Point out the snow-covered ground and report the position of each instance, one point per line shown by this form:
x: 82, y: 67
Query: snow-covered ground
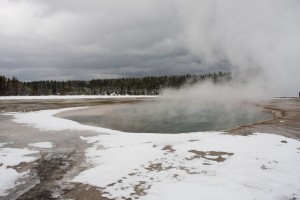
x: 202, y: 165
x: 191, y: 166
x: 43, y: 145
x: 11, y: 157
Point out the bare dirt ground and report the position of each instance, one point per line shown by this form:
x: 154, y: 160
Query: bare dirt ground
x: 49, y: 174
x: 286, y: 119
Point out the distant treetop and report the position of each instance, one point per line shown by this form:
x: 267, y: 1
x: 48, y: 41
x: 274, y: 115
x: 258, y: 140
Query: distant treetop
x: 150, y: 85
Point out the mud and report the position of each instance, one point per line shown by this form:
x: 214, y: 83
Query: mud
x: 217, y: 156
x: 84, y: 192
x: 168, y: 148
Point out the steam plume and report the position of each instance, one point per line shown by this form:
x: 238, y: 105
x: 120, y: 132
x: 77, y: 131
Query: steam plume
x: 260, y: 39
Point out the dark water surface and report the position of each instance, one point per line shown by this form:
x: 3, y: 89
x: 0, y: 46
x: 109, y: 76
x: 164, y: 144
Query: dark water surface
x: 139, y: 119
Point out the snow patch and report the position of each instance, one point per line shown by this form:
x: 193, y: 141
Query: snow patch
x: 44, y: 145
x: 46, y: 121
x: 11, y: 157
x: 2, y: 144
x: 139, y: 166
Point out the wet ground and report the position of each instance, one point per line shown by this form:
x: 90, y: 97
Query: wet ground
x: 49, y: 174
x: 286, y: 119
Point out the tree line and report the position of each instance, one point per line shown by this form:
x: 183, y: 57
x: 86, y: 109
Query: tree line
x: 150, y: 85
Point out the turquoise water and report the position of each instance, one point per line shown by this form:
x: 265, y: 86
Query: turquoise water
x: 139, y: 119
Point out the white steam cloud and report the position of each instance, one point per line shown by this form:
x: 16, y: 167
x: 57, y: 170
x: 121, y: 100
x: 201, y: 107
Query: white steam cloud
x: 260, y: 39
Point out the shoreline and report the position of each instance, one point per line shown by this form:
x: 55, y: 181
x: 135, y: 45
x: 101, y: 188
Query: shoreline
x: 285, y: 121
x: 276, y: 114
x: 285, y: 111
x: 277, y: 107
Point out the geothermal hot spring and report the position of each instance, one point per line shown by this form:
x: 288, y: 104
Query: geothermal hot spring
x: 167, y: 117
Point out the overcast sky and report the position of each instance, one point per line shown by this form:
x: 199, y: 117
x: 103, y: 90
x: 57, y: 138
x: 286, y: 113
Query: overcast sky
x: 72, y: 39
x: 67, y: 39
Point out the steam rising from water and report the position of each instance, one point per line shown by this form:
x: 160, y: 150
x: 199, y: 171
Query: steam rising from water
x: 203, y: 107
x: 163, y: 118
x: 259, y: 39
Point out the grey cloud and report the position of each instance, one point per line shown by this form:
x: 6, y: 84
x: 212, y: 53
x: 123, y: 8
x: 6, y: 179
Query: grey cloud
x: 106, y: 35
